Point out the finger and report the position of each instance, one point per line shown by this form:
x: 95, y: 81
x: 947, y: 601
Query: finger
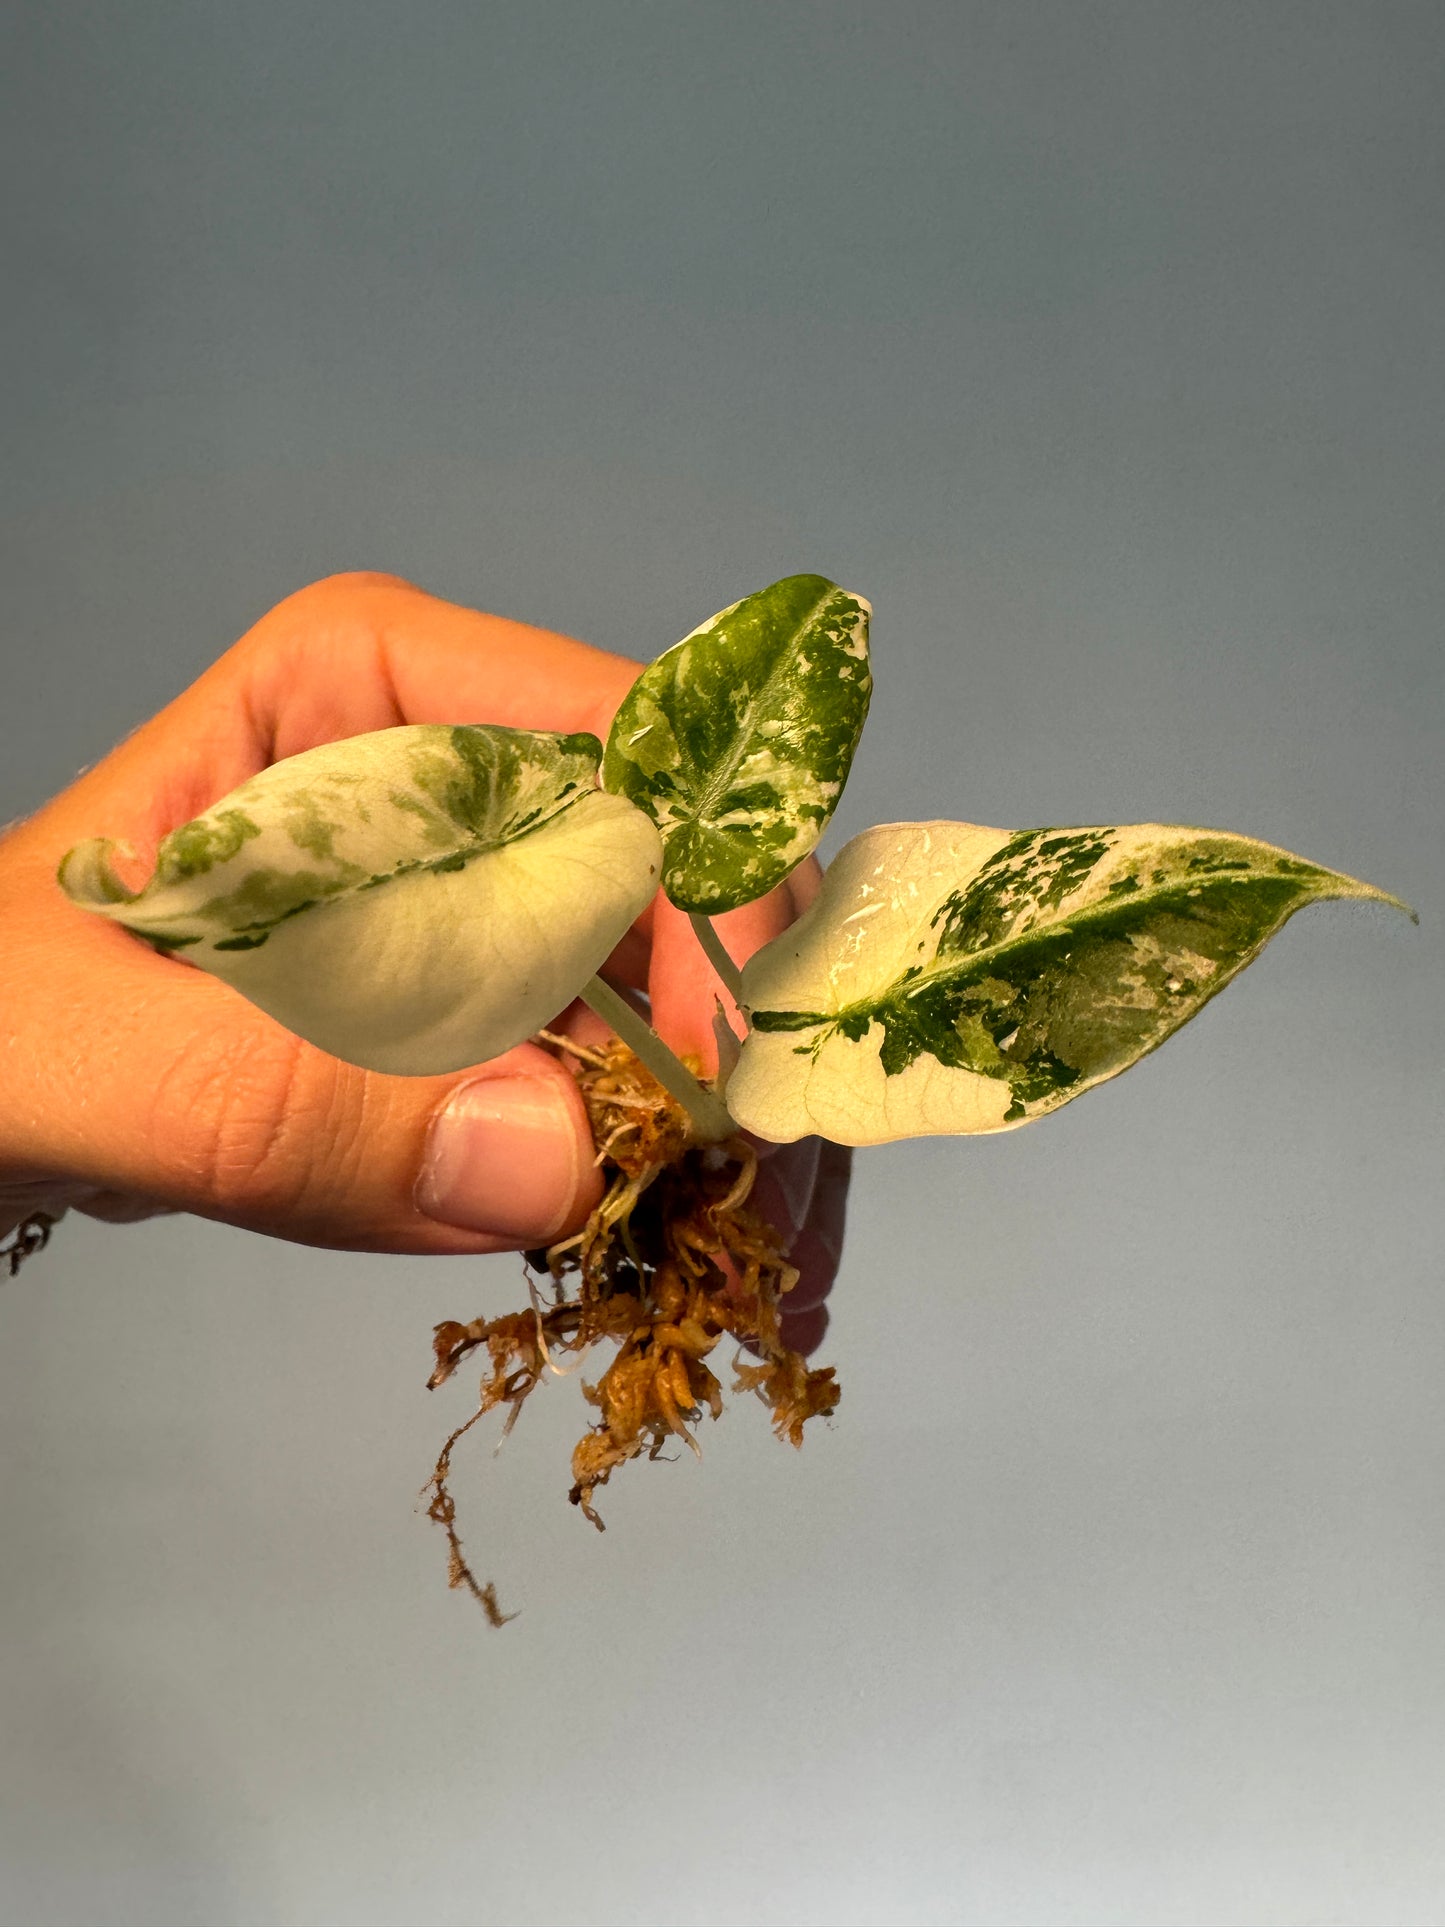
x: 351, y: 654
x: 817, y: 1251
x: 803, y: 1331
x: 804, y: 884
x: 685, y: 988
x: 628, y: 965
x: 359, y: 653
x: 783, y: 1189
x: 118, y: 1207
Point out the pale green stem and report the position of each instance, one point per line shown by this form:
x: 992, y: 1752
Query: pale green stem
x: 722, y: 963
x: 704, y: 1107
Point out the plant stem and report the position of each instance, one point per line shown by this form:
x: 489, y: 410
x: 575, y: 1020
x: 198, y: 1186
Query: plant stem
x: 706, y: 934
x: 705, y: 1108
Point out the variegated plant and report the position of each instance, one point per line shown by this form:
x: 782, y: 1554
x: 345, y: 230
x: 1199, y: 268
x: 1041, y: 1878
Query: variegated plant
x: 423, y: 898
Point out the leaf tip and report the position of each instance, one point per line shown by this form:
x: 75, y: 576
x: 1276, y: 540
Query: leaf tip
x: 1399, y: 903
x: 87, y: 878
x: 1373, y: 894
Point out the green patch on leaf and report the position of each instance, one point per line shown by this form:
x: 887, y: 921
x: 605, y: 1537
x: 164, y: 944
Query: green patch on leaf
x: 197, y: 847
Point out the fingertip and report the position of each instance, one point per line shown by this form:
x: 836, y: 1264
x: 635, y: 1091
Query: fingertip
x: 816, y: 1264
x: 344, y: 583
x: 804, y: 1331
x: 829, y: 1210
x: 684, y: 986
x: 783, y: 1190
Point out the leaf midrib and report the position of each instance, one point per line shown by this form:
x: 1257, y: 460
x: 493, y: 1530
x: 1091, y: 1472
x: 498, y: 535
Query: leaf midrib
x: 713, y: 791
x: 1093, y: 913
x: 469, y: 852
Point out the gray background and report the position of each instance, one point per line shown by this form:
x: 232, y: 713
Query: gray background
x: 1101, y: 346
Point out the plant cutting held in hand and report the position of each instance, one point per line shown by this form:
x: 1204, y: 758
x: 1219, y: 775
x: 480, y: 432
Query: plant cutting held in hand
x: 423, y: 898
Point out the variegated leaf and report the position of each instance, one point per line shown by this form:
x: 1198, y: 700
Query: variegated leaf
x: 412, y: 901
x: 956, y: 979
x: 738, y: 740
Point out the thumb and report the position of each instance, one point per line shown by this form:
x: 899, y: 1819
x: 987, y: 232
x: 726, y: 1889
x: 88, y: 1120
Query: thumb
x: 140, y: 1075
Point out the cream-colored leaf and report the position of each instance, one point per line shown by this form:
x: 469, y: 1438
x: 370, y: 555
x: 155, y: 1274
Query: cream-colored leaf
x: 412, y: 901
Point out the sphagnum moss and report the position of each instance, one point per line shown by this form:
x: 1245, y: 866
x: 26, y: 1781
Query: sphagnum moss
x: 673, y: 1261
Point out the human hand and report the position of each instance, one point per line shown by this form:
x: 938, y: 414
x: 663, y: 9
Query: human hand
x: 132, y: 1083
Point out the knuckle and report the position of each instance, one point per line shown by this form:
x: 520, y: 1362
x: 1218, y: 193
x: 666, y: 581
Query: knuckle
x: 346, y: 589
x: 339, y: 614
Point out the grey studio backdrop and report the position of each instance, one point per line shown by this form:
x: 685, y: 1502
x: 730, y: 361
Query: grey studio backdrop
x: 1101, y: 347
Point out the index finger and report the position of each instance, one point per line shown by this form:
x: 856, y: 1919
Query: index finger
x: 347, y: 655
x: 358, y: 653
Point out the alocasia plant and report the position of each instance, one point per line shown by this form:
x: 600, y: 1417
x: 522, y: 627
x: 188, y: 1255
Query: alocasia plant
x: 421, y: 899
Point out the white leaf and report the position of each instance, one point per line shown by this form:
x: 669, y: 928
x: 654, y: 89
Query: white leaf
x: 413, y: 901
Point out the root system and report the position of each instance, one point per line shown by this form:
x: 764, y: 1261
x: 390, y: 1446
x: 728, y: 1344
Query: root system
x: 673, y: 1260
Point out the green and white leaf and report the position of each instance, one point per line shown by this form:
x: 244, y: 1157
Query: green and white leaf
x: 738, y: 740
x: 413, y: 901
x: 950, y: 978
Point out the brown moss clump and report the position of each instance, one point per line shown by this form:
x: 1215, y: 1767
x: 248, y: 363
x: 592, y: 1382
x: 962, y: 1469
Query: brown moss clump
x: 673, y: 1260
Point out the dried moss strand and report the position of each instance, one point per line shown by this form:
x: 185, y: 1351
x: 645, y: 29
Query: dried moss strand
x: 443, y: 1509
x: 573, y: 1048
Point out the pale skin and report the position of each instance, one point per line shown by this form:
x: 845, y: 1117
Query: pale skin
x: 132, y: 1084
